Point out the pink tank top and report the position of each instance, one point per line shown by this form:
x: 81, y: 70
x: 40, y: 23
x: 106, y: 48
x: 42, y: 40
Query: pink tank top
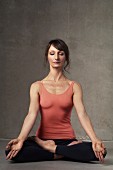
x: 55, y: 110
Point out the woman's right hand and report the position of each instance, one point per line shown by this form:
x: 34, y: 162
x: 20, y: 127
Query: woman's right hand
x: 15, y: 146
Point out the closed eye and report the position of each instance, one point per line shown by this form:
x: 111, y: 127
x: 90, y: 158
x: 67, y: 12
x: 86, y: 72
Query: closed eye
x: 51, y: 53
x: 61, y: 54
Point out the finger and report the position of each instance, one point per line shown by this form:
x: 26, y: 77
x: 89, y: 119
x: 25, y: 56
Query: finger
x: 8, y: 156
x: 96, y: 153
x: 11, y: 155
x: 15, y: 153
x: 101, y: 157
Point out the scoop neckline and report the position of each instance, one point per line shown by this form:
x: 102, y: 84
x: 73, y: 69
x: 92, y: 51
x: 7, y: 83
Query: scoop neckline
x: 54, y: 93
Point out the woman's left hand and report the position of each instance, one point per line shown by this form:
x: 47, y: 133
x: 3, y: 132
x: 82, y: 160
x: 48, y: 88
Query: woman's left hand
x: 99, y: 149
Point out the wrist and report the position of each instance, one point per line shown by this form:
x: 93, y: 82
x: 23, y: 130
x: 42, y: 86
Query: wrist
x: 94, y: 139
x: 97, y: 140
x: 21, y: 138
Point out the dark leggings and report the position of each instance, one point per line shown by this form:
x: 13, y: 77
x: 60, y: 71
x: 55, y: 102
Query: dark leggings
x: 32, y: 152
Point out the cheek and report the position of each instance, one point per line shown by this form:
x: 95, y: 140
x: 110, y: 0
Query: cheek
x: 50, y: 58
x: 63, y: 59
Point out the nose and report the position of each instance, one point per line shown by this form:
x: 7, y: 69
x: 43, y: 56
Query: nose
x: 56, y: 56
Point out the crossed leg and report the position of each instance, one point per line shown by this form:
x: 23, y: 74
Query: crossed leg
x: 41, y: 150
x: 31, y: 152
x: 76, y: 150
x: 51, y: 146
x: 36, y: 150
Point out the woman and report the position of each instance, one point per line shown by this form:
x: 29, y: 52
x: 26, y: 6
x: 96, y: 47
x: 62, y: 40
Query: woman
x: 54, y: 97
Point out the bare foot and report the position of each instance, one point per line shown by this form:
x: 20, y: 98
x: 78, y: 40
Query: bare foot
x: 51, y: 146
x: 74, y: 143
x: 46, y: 144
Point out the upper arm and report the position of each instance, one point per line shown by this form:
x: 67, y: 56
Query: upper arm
x: 78, y: 99
x: 34, y: 98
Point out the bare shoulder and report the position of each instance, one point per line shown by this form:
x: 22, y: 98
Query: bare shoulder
x: 34, y: 88
x: 77, y: 87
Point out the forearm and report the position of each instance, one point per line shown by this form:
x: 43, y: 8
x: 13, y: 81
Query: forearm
x: 27, y: 126
x: 87, y: 125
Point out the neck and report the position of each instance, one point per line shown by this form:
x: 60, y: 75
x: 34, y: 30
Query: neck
x: 56, y: 75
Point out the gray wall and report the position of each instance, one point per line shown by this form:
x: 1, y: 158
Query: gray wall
x: 26, y: 27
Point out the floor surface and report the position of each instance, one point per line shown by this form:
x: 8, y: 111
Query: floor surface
x: 57, y: 164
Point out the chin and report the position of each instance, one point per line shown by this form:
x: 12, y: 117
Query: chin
x: 56, y: 66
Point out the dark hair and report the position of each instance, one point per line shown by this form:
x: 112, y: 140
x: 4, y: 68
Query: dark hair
x: 62, y: 46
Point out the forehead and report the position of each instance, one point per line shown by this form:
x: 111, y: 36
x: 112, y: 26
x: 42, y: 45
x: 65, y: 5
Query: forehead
x: 52, y: 48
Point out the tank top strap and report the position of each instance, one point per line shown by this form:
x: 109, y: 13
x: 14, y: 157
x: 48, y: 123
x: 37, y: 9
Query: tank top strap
x: 41, y: 86
x: 72, y: 83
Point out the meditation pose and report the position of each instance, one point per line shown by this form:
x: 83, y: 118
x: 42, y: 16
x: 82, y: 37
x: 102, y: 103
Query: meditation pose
x: 54, y: 97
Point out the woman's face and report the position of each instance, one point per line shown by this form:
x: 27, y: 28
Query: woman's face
x: 56, y: 58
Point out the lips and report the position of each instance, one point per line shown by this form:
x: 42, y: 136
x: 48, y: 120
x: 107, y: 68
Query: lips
x: 56, y: 62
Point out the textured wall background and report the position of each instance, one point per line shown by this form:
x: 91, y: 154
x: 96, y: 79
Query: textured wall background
x: 26, y: 27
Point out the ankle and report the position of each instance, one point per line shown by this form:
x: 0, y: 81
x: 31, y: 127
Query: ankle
x: 58, y: 156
